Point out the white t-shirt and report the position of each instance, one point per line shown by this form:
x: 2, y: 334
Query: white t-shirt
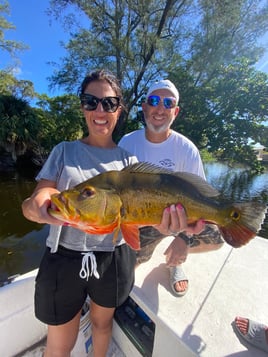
x: 176, y: 153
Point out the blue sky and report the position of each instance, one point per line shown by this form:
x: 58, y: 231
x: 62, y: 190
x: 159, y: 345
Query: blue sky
x: 33, y: 28
x: 43, y: 35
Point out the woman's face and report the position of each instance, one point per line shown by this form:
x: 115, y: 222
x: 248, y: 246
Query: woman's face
x: 100, y: 122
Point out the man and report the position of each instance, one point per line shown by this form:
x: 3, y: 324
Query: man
x: 158, y: 144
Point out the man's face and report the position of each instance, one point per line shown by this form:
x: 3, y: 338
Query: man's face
x: 159, y: 118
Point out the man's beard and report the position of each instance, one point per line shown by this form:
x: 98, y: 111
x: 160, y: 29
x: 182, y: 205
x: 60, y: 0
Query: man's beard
x: 158, y: 129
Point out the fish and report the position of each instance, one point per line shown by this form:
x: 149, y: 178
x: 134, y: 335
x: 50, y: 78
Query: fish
x: 137, y: 195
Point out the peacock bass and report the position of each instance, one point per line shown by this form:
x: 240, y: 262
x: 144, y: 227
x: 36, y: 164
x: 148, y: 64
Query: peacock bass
x: 138, y: 194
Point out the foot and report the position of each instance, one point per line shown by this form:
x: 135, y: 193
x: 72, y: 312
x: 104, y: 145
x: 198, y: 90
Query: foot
x: 253, y: 332
x: 178, y: 280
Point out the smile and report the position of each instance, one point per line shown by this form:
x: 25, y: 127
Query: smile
x: 100, y: 122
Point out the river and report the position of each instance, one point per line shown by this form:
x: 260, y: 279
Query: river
x: 22, y: 242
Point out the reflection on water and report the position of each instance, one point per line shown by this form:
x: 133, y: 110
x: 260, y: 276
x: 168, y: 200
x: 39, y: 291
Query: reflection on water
x: 22, y: 242
x: 237, y: 183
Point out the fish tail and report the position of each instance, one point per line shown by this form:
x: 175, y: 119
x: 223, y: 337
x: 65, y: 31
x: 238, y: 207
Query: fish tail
x: 247, y: 219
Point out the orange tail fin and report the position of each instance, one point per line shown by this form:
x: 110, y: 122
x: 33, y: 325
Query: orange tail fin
x: 242, y: 229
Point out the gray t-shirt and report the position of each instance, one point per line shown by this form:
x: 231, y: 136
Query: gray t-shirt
x: 69, y: 164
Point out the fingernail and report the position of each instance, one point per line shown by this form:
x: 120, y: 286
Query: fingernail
x: 167, y: 209
x: 66, y: 224
x: 173, y: 208
x: 203, y: 222
x: 179, y: 206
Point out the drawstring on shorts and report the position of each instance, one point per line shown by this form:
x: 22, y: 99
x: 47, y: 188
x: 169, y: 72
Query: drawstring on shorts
x: 85, y: 272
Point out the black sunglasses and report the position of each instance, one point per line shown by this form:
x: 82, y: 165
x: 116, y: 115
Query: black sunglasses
x: 90, y: 102
x: 154, y: 100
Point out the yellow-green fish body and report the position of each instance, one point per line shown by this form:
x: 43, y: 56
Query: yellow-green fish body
x: 137, y: 196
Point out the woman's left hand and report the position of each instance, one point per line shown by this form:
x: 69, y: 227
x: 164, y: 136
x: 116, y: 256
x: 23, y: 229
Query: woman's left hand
x: 174, y: 221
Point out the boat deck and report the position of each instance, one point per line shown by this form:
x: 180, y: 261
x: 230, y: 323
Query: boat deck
x: 222, y: 284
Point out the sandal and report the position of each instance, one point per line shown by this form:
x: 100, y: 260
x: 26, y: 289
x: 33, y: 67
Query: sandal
x: 255, y: 336
x: 177, y: 274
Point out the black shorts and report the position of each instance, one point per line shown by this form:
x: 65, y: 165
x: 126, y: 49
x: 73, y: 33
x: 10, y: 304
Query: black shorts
x: 60, y: 292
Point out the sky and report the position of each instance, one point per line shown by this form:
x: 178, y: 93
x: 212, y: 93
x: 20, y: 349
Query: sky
x: 43, y: 35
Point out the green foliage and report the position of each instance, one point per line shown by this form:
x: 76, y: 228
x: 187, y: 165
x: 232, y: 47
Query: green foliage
x: 10, y: 46
x: 208, y: 48
x: 133, y: 39
x: 207, y: 156
x: 222, y: 114
x: 19, y: 126
x: 35, y: 131
x: 61, y: 119
x: 10, y: 85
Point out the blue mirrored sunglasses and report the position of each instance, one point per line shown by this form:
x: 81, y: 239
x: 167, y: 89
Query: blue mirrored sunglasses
x: 154, y: 100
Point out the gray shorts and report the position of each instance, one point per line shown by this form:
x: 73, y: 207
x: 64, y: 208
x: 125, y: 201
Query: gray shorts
x: 60, y: 292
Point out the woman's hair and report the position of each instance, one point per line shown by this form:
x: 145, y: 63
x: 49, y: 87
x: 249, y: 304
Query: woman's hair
x: 102, y: 75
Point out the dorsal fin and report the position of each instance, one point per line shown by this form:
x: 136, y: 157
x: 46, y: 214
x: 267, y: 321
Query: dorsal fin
x: 198, y: 182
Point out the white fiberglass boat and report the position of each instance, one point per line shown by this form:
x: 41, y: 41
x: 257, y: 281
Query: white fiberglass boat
x: 154, y: 322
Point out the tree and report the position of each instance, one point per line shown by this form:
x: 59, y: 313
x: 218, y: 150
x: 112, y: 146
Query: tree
x: 10, y: 46
x: 9, y: 84
x: 142, y: 40
x: 131, y: 38
x: 227, y: 31
x: 223, y: 114
x: 19, y: 126
x: 60, y: 119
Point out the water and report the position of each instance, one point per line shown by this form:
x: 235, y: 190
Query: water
x: 22, y: 242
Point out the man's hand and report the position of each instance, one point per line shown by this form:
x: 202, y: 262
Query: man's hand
x: 177, y: 252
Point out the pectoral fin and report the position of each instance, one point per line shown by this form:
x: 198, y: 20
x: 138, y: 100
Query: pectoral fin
x: 92, y: 229
x: 131, y: 235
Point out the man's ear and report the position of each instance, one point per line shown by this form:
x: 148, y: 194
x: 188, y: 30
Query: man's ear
x: 177, y: 110
x: 143, y: 105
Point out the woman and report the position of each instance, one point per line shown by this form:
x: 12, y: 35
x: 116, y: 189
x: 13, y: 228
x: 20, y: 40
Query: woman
x: 63, y: 282
x: 64, y: 279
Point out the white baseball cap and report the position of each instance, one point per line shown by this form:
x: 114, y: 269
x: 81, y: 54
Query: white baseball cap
x: 164, y: 84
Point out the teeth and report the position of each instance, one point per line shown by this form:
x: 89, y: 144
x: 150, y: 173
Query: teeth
x: 100, y: 121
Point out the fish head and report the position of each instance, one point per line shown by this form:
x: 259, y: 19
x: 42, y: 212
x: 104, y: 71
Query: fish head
x: 90, y: 209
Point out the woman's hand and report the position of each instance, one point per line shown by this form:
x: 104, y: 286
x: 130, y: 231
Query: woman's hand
x: 174, y: 221
x: 35, y: 208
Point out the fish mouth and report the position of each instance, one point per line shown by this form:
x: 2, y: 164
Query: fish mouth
x: 60, y: 208
x: 53, y: 207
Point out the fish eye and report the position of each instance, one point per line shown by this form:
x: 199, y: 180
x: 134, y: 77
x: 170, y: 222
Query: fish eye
x: 235, y: 215
x: 87, y: 192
